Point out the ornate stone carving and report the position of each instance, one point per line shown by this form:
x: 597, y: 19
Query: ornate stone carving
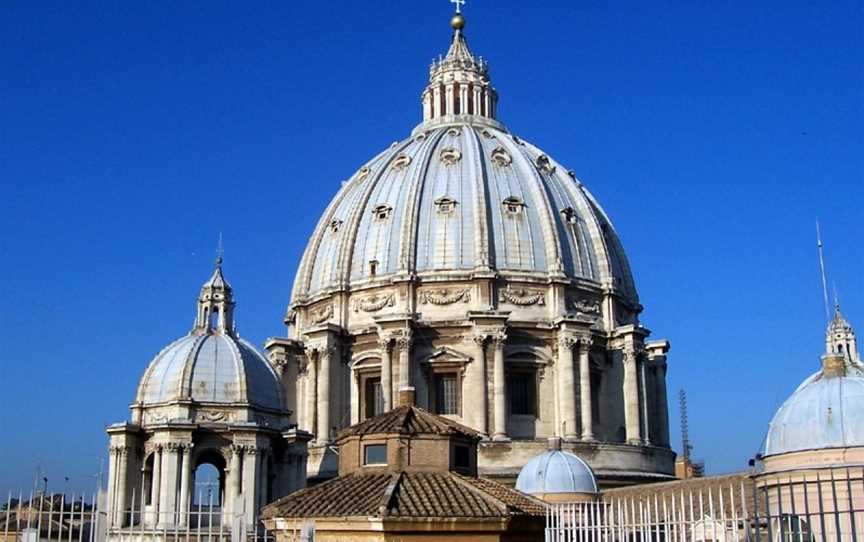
x: 444, y: 296
x: 450, y: 156
x: 567, y: 340
x: 213, y: 416
x: 545, y: 165
x: 362, y: 174
x: 403, y: 342
x: 321, y: 314
x: 400, y: 162
x: 501, y: 157
x: 584, y: 307
x: 153, y: 417
x: 374, y: 302
x: 522, y: 297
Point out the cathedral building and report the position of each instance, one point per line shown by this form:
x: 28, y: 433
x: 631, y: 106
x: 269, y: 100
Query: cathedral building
x: 466, y: 265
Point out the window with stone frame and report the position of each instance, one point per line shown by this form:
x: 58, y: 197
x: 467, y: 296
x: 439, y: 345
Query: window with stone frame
x: 596, y: 382
x: 373, y: 398
x: 522, y: 392
x: 446, y: 395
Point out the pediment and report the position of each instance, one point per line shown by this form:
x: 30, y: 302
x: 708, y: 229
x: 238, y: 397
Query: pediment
x: 445, y: 354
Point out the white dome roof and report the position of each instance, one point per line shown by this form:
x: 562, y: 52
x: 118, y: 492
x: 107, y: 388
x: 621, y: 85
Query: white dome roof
x: 824, y: 412
x: 556, y: 471
x: 210, y: 368
x: 459, y: 197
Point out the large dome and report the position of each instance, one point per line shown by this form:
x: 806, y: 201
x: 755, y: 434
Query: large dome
x: 210, y: 368
x: 462, y: 195
x: 462, y: 198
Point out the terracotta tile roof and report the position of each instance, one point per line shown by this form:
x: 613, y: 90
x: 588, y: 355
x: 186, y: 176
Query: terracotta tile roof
x: 409, y: 420
x: 406, y: 495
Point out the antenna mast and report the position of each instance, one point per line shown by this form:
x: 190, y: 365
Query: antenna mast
x: 822, y: 268
x: 686, y: 447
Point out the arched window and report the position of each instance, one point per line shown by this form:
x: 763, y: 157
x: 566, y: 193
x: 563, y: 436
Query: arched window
x: 208, y: 479
x: 214, y: 318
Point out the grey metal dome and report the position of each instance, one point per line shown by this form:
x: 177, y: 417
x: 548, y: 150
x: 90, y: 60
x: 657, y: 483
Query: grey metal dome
x: 556, y: 471
x: 211, y: 364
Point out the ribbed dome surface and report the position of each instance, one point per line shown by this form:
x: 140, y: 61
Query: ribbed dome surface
x: 824, y: 412
x: 210, y: 368
x: 462, y: 197
x: 556, y: 471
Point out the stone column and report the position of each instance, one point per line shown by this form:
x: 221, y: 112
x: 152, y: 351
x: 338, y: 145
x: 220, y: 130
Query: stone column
x: 404, y: 344
x: 566, y: 386
x: 498, y: 388
x: 643, y: 402
x: 631, y: 396
x: 323, y: 426
x: 386, y: 374
x: 311, y: 389
x: 476, y: 102
x: 168, y: 498
x: 232, y: 483
x: 185, y: 477
x: 449, y: 97
x: 585, y: 392
x: 354, y: 392
x: 662, y: 406
x: 122, y: 476
x: 156, y: 484
x: 251, y: 459
x: 474, y: 393
x: 112, y: 483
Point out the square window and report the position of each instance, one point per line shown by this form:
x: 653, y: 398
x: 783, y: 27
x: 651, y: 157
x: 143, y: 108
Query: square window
x: 461, y: 456
x: 375, y: 454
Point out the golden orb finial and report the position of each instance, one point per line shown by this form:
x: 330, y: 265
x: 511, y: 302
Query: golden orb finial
x: 457, y: 22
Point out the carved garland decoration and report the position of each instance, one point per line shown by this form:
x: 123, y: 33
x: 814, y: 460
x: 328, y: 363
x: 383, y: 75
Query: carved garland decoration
x: 445, y: 296
x: 374, y: 303
x: 321, y: 314
x: 522, y: 297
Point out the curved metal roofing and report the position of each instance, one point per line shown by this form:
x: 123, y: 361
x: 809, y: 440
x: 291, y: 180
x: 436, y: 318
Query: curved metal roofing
x: 210, y: 368
x: 462, y: 196
x: 556, y: 471
x: 824, y: 412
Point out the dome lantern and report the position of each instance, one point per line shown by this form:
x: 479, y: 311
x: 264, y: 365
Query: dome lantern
x: 459, y: 84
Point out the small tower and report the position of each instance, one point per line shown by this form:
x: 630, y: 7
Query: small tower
x: 840, y: 337
x: 215, y: 305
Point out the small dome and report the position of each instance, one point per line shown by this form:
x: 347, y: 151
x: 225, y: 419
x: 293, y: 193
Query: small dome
x: 211, y: 368
x: 824, y: 412
x: 556, y: 471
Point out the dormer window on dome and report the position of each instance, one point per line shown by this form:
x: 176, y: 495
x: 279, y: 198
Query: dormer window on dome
x: 513, y: 206
x: 445, y: 205
x: 381, y: 212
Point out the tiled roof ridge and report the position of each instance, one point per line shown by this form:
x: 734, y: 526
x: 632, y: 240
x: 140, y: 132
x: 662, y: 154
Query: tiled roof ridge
x: 385, y: 505
x: 301, y: 493
x: 401, y: 419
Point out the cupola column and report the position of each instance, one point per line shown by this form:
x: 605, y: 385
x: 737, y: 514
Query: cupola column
x: 499, y: 388
x: 566, y: 387
x: 386, y: 378
x: 585, y: 393
x: 185, y: 477
x: 156, y: 482
x: 474, y: 393
x: 404, y: 344
x: 168, y: 499
x: 325, y: 356
x: 631, y: 395
x: 657, y: 351
x: 251, y: 462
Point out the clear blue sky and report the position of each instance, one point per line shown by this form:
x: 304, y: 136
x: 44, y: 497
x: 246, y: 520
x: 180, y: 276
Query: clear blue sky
x: 714, y: 134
